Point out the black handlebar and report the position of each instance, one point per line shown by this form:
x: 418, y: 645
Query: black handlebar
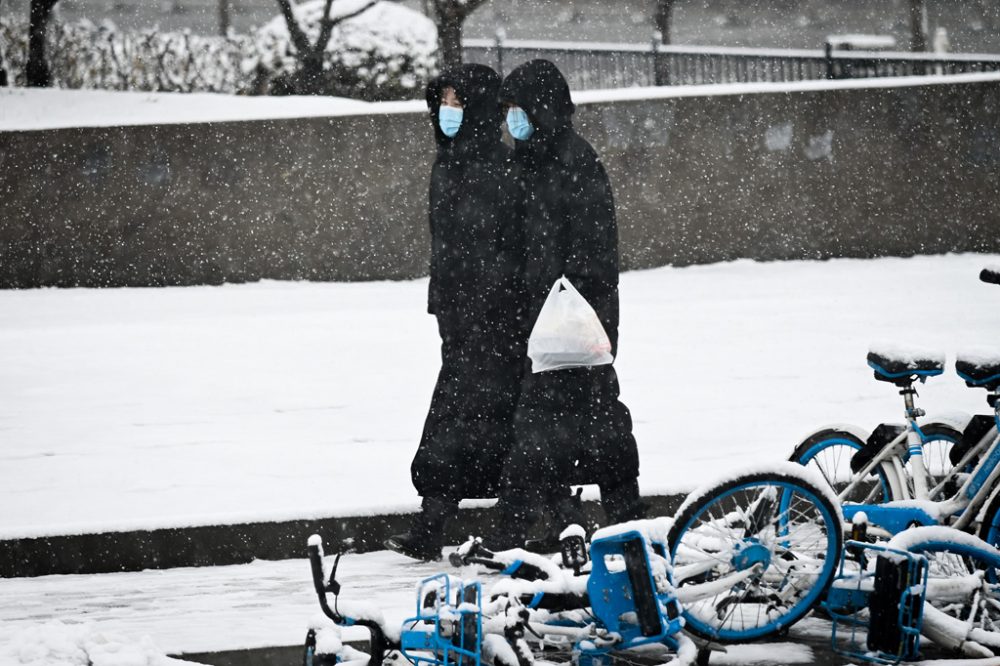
x: 991, y: 275
x: 380, y: 644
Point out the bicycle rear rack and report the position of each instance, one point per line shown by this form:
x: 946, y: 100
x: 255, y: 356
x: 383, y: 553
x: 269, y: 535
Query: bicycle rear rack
x: 448, y: 627
x: 880, y: 613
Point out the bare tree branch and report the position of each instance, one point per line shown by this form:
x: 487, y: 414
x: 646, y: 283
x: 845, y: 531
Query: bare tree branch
x: 299, y: 39
x: 310, y: 55
x: 345, y: 17
x: 328, y: 24
x: 325, y: 28
x: 471, y: 6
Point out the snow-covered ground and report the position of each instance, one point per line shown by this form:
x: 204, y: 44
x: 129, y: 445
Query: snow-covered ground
x: 128, y: 408
x: 132, y: 619
x: 207, y: 609
x: 262, y: 604
x: 59, y: 643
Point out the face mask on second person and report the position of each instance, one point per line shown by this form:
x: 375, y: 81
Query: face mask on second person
x: 518, y: 124
x: 449, y: 119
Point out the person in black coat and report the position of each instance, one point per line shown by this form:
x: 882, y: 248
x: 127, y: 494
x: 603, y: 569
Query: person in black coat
x: 475, y: 294
x: 570, y: 425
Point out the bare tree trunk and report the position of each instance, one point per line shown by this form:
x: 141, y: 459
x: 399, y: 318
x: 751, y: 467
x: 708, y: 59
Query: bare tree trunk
x: 3, y: 66
x: 918, y: 25
x: 36, y: 71
x: 450, y: 15
x: 225, y: 21
x: 450, y: 42
x: 664, y: 8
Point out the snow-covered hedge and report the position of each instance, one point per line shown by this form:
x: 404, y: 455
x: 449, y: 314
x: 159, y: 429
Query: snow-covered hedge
x: 387, y: 52
x: 85, y: 55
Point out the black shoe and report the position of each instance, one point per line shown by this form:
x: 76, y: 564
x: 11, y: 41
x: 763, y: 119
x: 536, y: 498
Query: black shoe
x: 622, y: 503
x: 544, y: 546
x: 414, y: 546
x: 426, y: 535
x: 512, y: 517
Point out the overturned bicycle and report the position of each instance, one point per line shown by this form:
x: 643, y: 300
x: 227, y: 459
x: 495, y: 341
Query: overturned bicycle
x: 743, y: 559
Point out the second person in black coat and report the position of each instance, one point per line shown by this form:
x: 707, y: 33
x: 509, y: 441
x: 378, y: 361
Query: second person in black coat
x: 569, y: 425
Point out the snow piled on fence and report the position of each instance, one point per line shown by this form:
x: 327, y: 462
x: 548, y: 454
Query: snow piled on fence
x: 23, y: 109
x: 126, y: 408
x: 667, y: 92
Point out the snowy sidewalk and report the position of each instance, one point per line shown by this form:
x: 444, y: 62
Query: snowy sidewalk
x: 263, y: 604
x: 269, y: 604
x: 146, y: 408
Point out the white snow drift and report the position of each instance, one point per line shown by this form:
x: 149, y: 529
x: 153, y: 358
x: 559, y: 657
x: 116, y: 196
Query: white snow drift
x: 128, y: 408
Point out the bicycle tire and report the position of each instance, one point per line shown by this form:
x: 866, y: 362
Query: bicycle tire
x: 954, y: 560
x: 829, y: 452
x: 938, y: 440
x: 989, y: 526
x: 751, y: 502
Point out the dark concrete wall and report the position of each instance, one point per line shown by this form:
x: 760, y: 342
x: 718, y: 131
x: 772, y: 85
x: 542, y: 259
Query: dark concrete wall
x: 862, y: 172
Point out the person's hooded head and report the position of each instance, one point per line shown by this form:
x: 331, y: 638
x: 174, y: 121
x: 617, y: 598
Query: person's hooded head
x: 473, y: 125
x: 540, y: 90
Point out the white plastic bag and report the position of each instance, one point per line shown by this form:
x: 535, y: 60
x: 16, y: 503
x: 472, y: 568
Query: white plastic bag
x: 567, y: 333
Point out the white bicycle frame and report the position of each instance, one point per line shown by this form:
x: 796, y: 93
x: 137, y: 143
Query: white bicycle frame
x: 974, y: 491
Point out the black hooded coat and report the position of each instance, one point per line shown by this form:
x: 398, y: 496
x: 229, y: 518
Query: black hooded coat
x: 474, y: 292
x: 569, y: 424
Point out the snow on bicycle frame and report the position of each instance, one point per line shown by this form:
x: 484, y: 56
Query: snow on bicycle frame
x: 628, y: 596
x: 886, y: 601
x: 964, y: 506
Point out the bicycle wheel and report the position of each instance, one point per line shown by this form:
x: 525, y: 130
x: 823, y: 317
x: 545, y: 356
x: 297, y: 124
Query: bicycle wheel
x: 753, y: 554
x: 989, y: 527
x: 939, y: 438
x: 829, y: 452
x: 962, y: 606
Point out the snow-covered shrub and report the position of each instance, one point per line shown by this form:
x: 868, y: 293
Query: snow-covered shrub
x: 14, y: 48
x: 85, y: 55
x: 88, y: 56
x: 386, y: 52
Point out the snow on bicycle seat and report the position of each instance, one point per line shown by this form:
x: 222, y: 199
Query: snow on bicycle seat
x: 901, y: 365
x: 979, y: 368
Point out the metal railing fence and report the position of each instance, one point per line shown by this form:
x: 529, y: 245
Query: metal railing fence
x: 589, y: 66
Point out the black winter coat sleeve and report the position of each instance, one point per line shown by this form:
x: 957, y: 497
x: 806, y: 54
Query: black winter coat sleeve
x: 432, y: 287
x: 591, y: 259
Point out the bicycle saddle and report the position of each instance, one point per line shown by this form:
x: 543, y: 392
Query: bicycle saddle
x: 901, y: 366
x: 979, y: 369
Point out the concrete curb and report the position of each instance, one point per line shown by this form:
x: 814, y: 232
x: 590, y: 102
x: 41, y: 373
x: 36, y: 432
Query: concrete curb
x: 290, y: 655
x: 216, y: 545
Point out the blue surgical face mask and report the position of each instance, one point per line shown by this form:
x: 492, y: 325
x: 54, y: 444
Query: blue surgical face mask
x: 449, y: 120
x: 518, y: 124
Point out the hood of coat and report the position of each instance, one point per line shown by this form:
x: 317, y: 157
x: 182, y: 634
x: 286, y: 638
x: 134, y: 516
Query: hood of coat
x: 477, y: 87
x: 541, y: 90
